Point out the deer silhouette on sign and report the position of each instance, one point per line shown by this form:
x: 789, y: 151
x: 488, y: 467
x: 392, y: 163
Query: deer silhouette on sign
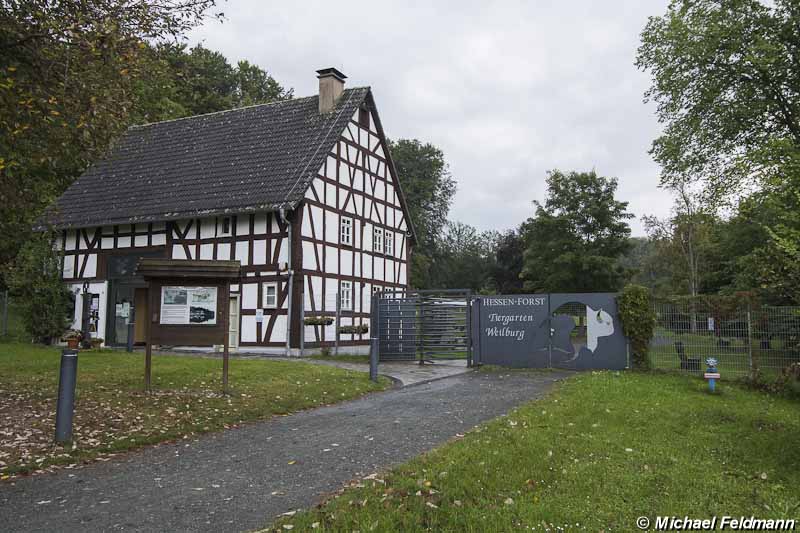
x: 599, y: 323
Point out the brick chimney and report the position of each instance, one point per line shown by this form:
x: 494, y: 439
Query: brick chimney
x: 331, y: 86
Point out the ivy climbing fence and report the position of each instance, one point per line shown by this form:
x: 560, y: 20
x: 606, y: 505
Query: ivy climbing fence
x: 742, y: 337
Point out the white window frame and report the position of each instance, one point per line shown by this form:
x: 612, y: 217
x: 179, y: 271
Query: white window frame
x: 376, y: 289
x: 265, y: 297
x: 377, y: 240
x: 346, y: 231
x: 388, y: 242
x: 346, y: 295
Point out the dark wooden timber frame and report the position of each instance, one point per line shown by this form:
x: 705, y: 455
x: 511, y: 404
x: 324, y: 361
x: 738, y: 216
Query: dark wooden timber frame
x: 166, y: 272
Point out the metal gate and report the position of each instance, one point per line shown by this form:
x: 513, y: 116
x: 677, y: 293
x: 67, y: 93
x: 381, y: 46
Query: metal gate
x: 424, y: 325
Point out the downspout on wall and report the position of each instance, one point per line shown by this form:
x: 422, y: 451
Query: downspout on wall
x: 290, y: 282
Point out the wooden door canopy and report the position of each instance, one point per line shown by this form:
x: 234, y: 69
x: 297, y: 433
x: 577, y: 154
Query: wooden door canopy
x: 184, y: 268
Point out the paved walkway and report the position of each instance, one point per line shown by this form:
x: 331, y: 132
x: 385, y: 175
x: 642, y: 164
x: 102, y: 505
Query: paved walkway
x: 243, y: 478
x: 409, y: 373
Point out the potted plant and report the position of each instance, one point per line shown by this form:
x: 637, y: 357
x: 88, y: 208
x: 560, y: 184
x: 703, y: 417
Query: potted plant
x: 73, y: 338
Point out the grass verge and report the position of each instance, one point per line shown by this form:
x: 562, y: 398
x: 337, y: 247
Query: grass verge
x: 113, y: 414
x: 604, y: 449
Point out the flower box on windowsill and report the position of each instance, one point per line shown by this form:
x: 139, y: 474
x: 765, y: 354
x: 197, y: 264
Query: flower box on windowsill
x: 354, y: 330
x: 318, y: 321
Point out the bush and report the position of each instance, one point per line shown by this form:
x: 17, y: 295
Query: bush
x: 638, y: 322
x: 35, y: 281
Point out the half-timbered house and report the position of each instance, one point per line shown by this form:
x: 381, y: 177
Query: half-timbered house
x: 303, y: 193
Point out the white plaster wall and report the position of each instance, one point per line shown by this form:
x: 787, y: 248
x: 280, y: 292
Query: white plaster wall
x: 242, y: 252
x: 331, y: 227
x: 278, y: 332
x: 331, y: 265
x: 260, y: 251
x: 249, y: 295
x: 309, y: 259
x: 248, y: 333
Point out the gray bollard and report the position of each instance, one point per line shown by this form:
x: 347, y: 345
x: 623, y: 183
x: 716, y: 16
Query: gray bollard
x: 66, y: 395
x: 373, y: 359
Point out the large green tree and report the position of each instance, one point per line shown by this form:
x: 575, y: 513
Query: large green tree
x: 576, y: 238
x: 185, y: 81
x: 771, y: 220
x: 68, y: 73
x: 43, y: 300
x: 464, y: 258
x: 509, y: 250
x: 74, y: 75
x: 726, y: 81
x: 429, y: 190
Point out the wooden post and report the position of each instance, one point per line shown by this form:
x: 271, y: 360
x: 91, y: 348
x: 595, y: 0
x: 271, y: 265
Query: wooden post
x: 148, y: 351
x: 227, y: 340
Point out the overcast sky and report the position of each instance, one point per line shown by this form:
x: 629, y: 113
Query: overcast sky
x: 508, y: 90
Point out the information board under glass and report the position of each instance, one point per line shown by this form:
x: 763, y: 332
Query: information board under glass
x: 189, y: 305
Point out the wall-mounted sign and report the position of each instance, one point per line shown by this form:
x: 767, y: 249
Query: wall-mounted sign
x: 189, y: 305
x: 259, y: 315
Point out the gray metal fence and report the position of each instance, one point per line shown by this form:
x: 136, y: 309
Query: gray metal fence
x: 424, y: 325
x: 741, y: 339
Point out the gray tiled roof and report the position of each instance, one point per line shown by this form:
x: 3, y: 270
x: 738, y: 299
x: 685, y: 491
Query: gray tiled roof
x: 254, y: 158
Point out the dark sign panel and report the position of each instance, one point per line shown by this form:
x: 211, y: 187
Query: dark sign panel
x: 514, y: 330
x: 577, y: 331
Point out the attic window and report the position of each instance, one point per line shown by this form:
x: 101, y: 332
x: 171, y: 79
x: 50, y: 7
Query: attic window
x: 363, y: 117
x: 224, y: 226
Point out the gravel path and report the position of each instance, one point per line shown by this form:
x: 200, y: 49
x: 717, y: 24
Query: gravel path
x: 241, y: 479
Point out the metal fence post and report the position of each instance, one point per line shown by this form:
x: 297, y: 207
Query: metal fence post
x: 374, y: 339
x: 336, y: 324
x: 66, y: 395
x: 475, y: 332
x: 749, y: 337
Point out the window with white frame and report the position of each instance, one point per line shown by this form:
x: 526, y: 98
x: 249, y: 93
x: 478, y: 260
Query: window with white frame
x: 270, y: 296
x: 376, y: 289
x: 389, y: 243
x: 346, y: 231
x: 346, y: 295
x: 377, y: 240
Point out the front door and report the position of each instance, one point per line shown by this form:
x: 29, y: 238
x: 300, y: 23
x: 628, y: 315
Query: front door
x: 121, y: 300
x: 233, y: 328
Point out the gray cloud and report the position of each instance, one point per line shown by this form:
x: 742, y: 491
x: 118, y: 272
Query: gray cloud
x: 508, y: 90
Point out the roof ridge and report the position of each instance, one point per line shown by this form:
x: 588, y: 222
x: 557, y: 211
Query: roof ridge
x: 320, y: 141
x: 146, y: 124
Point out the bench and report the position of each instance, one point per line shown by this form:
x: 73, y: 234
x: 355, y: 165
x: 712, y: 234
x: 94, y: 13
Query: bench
x: 692, y: 364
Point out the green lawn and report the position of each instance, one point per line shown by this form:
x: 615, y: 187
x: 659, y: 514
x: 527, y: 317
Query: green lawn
x: 113, y: 413
x: 602, y: 450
